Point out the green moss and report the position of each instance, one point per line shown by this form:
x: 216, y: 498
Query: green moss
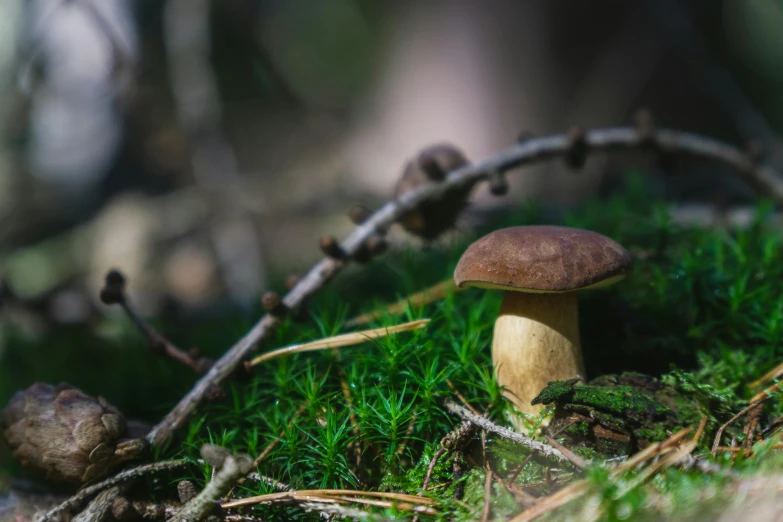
x: 619, y: 400
x: 707, y: 302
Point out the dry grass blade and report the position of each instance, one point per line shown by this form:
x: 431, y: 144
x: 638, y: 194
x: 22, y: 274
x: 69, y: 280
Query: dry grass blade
x: 745, y: 451
x: 579, y: 488
x: 426, y: 296
x: 700, y: 431
x: 771, y: 375
x: 753, y: 404
x: 572, y: 457
x: 399, y: 500
x: 764, y: 394
x: 561, y: 498
x: 338, y: 341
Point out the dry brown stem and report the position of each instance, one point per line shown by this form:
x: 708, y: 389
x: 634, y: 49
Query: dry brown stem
x: 719, y: 434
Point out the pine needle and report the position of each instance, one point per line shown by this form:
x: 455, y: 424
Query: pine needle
x: 338, y: 341
x: 398, y: 500
x: 771, y: 375
x: 426, y: 296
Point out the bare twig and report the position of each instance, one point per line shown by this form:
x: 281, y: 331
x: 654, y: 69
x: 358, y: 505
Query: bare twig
x: 125, y: 476
x: 113, y: 292
x: 743, y: 411
x: 338, y: 341
x: 772, y: 428
x: 99, y: 508
x: 572, y: 457
x: 762, y: 178
x: 431, y: 468
x: 230, y: 468
x: 506, y: 433
x: 487, y: 495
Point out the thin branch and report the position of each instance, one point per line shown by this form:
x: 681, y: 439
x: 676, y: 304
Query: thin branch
x: 487, y: 495
x: 506, y: 433
x: 743, y: 411
x: 572, y: 457
x: 431, y: 468
x: 125, y: 476
x: 113, y: 292
x: 762, y: 178
x: 230, y: 468
x: 100, y: 507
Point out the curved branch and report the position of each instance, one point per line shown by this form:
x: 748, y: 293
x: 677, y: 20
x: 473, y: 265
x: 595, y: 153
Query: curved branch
x: 120, y: 478
x: 762, y: 178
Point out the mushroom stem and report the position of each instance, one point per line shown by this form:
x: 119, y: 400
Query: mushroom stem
x: 536, y: 341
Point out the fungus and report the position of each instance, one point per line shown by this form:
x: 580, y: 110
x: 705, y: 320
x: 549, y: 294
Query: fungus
x: 536, y: 337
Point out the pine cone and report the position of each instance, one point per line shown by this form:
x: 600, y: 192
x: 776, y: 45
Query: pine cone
x: 433, y: 218
x: 66, y: 434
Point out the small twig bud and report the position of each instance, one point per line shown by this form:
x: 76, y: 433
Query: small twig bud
x: 186, y: 491
x: 332, y: 248
x: 115, y: 278
x: 122, y: 510
x: 577, y: 149
x: 377, y: 245
x: 498, y: 185
x: 272, y: 304
x: 270, y: 301
x: 113, y: 291
x: 291, y: 281
x: 359, y: 214
x: 429, y: 165
x: 644, y: 123
x: 214, y: 455
x: 374, y: 246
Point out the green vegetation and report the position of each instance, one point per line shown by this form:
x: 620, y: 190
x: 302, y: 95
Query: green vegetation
x: 702, y: 311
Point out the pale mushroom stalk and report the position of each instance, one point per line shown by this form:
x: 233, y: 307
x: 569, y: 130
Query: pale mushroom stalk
x: 536, y: 340
x: 540, y: 268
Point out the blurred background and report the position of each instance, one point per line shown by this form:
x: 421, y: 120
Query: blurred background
x: 204, y: 147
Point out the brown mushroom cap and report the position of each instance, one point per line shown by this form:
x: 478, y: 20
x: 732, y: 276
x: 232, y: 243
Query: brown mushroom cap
x: 542, y: 259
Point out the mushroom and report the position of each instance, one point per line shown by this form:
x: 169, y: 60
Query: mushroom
x: 536, y: 338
